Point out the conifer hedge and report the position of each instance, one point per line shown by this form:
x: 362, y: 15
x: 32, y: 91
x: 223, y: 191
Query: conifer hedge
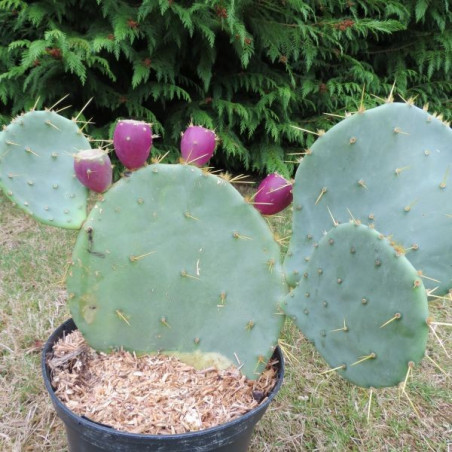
x: 248, y: 68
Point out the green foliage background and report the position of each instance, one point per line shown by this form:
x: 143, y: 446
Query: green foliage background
x: 248, y: 68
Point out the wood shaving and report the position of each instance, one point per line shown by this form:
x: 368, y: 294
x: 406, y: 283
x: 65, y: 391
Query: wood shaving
x: 151, y: 394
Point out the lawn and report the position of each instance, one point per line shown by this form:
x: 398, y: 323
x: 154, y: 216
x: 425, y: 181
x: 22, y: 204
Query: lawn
x: 313, y: 411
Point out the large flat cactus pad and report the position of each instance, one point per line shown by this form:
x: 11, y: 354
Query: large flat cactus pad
x: 389, y: 167
x: 174, y: 259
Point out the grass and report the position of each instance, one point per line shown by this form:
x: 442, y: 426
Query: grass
x: 312, y: 411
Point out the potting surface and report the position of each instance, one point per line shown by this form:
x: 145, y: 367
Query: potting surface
x: 155, y: 394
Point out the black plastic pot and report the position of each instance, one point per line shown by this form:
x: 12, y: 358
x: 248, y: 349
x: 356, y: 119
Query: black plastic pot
x: 85, y: 435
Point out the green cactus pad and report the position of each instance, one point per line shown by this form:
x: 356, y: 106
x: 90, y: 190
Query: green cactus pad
x: 174, y: 259
x: 363, y: 306
x: 390, y: 167
x: 36, y: 168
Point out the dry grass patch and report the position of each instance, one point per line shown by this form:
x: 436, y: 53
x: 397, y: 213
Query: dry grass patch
x: 32, y: 304
x: 311, y: 412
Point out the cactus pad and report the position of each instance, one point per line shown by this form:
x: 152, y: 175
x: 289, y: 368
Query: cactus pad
x: 36, y: 168
x: 389, y: 167
x: 363, y: 306
x: 174, y: 259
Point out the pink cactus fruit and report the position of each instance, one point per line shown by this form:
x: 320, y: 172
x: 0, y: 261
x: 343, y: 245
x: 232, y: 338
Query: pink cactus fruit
x: 132, y: 141
x: 273, y: 194
x: 93, y: 169
x: 197, y: 145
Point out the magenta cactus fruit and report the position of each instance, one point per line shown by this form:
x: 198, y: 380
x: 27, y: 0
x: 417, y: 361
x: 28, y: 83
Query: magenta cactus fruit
x: 197, y: 145
x: 93, y: 169
x: 132, y: 141
x: 273, y: 194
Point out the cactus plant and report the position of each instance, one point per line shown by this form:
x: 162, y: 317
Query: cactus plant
x: 388, y: 167
x: 36, y: 167
x: 174, y: 259
x: 363, y: 305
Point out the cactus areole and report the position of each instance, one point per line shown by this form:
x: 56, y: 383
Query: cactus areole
x: 132, y: 141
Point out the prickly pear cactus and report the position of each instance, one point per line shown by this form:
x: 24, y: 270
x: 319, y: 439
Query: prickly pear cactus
x: 174, y: 259
x: 389, y: 167
x: 36, y: 168
x: 363, y: 306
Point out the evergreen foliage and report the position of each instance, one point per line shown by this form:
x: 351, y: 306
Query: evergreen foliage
x: 248, y: 68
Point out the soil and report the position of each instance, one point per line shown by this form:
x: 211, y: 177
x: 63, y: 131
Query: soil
x: 151, y: 394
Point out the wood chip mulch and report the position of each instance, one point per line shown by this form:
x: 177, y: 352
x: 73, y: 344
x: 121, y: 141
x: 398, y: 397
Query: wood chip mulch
x: 150, y: 394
